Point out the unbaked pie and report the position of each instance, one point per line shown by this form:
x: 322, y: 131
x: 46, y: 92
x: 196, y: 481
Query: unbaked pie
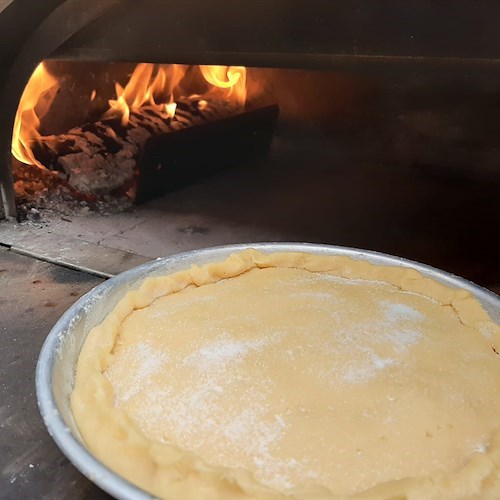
x: 295, y: 374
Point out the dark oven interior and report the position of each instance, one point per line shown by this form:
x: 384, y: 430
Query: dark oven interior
x: 354, y: 123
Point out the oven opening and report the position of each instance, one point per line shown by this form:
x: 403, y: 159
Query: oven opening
x: 187, y: 156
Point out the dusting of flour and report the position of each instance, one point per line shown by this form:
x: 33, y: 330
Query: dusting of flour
x: 241, y: 385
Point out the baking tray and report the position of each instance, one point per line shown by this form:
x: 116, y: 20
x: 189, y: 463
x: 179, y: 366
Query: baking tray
x: 55, y: 371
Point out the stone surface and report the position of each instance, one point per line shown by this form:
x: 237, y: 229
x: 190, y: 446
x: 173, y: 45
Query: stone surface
x: 33, y: 295
x: 319, y: 196
x: 70, y: 252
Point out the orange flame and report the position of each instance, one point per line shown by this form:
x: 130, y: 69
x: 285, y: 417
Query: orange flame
x: 232, y: 78
x: 148, y: 85
x: 34, y: 104
x: 143, y: 88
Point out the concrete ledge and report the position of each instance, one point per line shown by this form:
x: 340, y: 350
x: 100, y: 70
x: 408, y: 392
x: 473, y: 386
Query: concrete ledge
x: 67, y: 251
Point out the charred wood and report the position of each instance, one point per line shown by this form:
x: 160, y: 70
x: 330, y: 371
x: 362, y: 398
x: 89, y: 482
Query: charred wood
x: 102, y: 158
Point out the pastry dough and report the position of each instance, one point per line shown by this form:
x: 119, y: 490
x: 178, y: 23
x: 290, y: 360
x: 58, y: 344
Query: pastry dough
x: 313, y: 376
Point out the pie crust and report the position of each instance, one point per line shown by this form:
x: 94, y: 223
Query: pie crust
x: 294, y: 374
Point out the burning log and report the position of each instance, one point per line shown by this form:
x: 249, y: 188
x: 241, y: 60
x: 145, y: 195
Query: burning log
x: 170, y: 161
x: 106, y: 157
x: 101, y: 158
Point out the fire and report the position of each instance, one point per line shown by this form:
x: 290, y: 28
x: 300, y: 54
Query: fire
x: 34, y: 104
x: 157, y: 90
x: 144, y: 88
x: 232, y: 78
x: 149, y: 85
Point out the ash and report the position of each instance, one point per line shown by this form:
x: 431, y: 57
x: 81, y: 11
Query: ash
x: 44, y: 194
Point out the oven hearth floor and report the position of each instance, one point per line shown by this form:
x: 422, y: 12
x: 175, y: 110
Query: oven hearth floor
x: 297, y: 195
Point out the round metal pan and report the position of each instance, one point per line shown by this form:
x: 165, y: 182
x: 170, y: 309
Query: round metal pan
x: 57, y: 361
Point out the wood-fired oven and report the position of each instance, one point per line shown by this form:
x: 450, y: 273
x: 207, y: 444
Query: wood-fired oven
x: 408, y: 88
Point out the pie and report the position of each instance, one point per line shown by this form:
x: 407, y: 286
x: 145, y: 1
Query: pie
x: 299, y: 375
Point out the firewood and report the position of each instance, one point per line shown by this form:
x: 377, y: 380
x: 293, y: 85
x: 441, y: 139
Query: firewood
x: 154, y: 153
x: 102, y: 157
